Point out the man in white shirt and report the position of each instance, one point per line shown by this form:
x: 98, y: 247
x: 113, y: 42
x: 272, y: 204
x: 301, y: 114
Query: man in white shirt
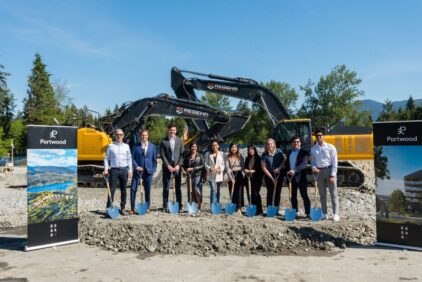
x: 324, y: 163
x: 118, y: 163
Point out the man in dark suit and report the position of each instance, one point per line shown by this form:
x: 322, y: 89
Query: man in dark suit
x: 171, y: 151
x: 144, y: 164
x: 297, y: 160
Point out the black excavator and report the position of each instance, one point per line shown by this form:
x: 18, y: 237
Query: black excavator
x: 349, y: 147
x: 92, y: 143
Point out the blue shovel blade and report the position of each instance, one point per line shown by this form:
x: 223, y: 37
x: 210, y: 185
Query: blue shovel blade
x: 230, y: 208
x: 173, y: 207
x: 251, y: 210
x: 113, y: 212
x: 272, y: 211
x: 316, y: 214
x: 290, y: 214
x: 141, y: 208
x: 192, y: 208
x: 216, y: 208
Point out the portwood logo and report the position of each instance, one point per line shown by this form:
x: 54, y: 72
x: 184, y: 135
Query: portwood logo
x: 53, y: 135
x: 190, y: 112
x: 215, y: 86
x: 401, y: 130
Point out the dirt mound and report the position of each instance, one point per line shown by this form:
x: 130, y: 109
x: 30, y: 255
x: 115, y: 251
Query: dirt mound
x: 207, y: 234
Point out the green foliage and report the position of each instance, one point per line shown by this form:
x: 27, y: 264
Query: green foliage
x: 410, y: 112
x: 7, y: 103
x: 387, y: 114
x: 41, y: 104
x: 18, y: 135
x: 358, y: 117
x: 398, y: 202
x: 4, y: 144
x: 381, y: 163
x: 332, y: 97
x: 284, y: 92
x: 216, y: 100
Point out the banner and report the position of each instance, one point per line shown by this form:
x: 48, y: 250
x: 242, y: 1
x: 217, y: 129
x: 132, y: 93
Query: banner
x: 398, y: 171
x: 52, y: 186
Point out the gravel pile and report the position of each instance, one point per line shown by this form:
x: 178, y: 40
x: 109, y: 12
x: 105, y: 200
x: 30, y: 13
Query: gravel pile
x: 207, y: 235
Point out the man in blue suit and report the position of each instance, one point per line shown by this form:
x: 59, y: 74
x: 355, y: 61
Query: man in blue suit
x: 144, y: 164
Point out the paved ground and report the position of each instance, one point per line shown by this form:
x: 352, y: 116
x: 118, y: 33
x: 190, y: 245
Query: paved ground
x: 79, y: 262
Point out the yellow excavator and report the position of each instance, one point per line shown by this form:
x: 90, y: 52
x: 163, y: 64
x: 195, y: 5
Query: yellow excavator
x: 351, y: 145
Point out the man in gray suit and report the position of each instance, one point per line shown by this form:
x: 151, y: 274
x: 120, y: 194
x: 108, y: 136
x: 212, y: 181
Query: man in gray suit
x: 171, y: 151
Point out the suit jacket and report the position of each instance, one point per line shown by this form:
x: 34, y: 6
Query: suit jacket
x: 256, y: 166
x: 300, y: 166
x: 165, y: 152
x: 148, y: 161
x: 209, y: 163
x: 197, y: 164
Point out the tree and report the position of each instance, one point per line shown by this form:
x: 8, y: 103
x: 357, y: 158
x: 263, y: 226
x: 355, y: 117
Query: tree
x: 388, y: 113
x: 284, y: 92
x: 216, y: 100
x: 381, y: 164
x: 358, y: 117
x: 18, y: 135
x: 332, y: 97
x: 7, y: 103
x: 398, y: 202
x: 41, y: 105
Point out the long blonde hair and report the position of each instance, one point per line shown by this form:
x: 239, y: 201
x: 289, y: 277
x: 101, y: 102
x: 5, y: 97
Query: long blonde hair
x: 266, y: 146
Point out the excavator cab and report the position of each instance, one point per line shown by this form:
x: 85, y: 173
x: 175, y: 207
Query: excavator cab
x: 285, y: 130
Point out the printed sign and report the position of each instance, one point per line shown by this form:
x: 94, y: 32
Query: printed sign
x: 398, y: 171
x: 52, y: 186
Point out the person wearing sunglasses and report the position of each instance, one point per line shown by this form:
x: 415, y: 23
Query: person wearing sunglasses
x: 324, y: 164
x: 144, y: 164
x: 118, y: 163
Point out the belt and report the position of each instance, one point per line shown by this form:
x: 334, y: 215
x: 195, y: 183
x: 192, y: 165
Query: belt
x: 327, y: 167
x: 119, y: 167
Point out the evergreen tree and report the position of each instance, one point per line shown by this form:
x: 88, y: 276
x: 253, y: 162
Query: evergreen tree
x: 387, y: 114
x: 7, y: 103
x: 41, y: 105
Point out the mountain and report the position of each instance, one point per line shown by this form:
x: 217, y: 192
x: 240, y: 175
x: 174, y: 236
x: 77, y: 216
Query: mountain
x: 376, y: 107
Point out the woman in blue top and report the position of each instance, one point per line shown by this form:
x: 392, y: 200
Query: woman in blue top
x: 272, y: 162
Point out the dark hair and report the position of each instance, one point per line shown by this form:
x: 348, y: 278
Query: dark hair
x: 193, y: 143
x: 320, y: 130
x: 296, y: 137
x: 214, y: 141
x: 237, y: 154
x: 254, y: 149
x: 171, y: 125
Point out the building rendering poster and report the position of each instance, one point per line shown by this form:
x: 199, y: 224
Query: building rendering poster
x: 52, y: 186
x: 398, y: 171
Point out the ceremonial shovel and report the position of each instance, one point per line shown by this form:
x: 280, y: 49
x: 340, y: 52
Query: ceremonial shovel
x: 290, y: 213
x: 141, y: 208
x: 215, y: 207
x: 112, y: 211
x: 230, y: 207
x: 174, y: 206
x: 192, y: 206
x: 250, y: 209
x: 272, y: 210
x: 316, y: 212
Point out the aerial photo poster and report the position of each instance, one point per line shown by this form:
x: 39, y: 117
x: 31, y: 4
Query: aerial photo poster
x: 398, y: 171
x: 52, y: 186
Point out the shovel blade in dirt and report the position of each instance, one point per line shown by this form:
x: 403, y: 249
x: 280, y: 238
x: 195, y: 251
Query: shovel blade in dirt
x: 192, y: 208
x: 272, y: 211
x: 230, y: 208
x: 250, y: 210
x: 216, y: 208
x: 113, y: 212
x: 173, y: 207
x: 141, y: 208
x: 289, y: 214
x: 316, y: 214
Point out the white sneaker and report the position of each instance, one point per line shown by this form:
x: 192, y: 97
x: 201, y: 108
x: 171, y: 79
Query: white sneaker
x: 323, y: 216
x: 336, y: 217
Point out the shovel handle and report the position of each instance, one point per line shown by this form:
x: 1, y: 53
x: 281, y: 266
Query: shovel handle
x: 250, y: 189
x: 190, y: 186
x: 108, y: 190
x: 275, y: 185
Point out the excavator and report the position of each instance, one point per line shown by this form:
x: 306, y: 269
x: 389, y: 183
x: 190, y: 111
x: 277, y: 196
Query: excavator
x: 92, y: 143
x: 349, y: 146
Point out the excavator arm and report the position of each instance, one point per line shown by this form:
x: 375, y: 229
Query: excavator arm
x: 241, y: 88
x: 132, y: 115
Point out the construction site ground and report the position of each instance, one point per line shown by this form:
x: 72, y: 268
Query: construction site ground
x: 208, y: 247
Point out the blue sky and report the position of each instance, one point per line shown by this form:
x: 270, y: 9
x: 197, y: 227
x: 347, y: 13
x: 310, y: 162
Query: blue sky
x: 50, y: 157
x: 110, y: 52
x: 402, y: 161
